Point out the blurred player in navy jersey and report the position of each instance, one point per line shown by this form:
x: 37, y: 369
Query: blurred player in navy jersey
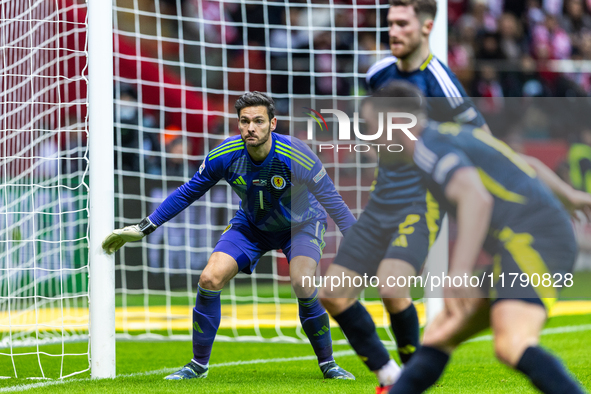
x: 498, y: 198
x: 284, y: 191
x: 401, y: 221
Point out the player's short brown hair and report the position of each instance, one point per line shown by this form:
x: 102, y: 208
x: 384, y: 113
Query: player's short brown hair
x: 255, y: 99
x: 421, y: 7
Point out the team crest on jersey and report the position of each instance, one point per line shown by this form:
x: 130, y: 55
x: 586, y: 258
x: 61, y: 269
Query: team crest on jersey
x: 202, y: 167
x: 278, y: 182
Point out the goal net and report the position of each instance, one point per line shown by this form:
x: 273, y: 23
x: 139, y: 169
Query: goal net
x: 43, y: 189
x: 179, y: 66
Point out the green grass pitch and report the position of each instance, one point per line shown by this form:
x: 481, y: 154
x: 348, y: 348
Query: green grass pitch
x: 141, y: 367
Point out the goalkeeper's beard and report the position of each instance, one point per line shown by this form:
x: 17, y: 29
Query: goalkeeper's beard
x: 259, y: 142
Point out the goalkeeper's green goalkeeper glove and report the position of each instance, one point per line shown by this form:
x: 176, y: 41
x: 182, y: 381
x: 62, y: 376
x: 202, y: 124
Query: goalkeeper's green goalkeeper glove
x: 119, y: 237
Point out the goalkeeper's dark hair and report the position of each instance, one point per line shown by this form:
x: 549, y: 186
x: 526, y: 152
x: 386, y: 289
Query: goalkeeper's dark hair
x: 399, y: 96
x: 421, y: 7
x: 255, y: 99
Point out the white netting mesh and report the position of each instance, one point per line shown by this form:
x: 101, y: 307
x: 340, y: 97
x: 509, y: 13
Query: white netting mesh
x: 43, y: 189
x: 179, y: 67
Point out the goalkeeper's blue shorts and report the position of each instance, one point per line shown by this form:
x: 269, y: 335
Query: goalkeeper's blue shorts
x: 384, y: 232
x: 247, y: 243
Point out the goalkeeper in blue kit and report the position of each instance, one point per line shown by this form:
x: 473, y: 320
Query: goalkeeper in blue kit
x: 285, y: 193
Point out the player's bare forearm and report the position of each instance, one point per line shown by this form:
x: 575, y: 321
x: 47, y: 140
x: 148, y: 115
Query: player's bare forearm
x: 474, y: 208
x: 571, y: 198
x: 560, y: 188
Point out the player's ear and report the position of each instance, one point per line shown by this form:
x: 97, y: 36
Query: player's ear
x: 273, y: 124
x: 428, y: 24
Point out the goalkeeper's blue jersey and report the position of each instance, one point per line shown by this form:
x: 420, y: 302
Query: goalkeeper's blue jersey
x: 400, y: 182
x: 289, y: 188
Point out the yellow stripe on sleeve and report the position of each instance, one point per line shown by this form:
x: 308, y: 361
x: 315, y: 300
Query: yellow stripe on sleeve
x: 283, y: 152
x: 227, y: 145
x: 218, y: 154
x: 296, y: 153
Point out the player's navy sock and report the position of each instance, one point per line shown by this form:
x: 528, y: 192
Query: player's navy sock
x: 360, y: 330
x: 421, y: 372
x: 206, y: 321
x: 405, y: 326
x: 546, y: 372
x: 316, y: 325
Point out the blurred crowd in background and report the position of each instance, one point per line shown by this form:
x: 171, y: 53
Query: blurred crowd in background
x: 506, y: 48
x: 497, y: 47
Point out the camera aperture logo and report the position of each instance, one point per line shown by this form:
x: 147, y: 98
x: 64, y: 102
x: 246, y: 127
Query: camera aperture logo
x: 344, y: 130
x: 316, y: 119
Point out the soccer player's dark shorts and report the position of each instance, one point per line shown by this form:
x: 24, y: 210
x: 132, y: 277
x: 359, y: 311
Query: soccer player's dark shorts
x: 247, y: 244
x: 541, y: 246
x: 405, y: 233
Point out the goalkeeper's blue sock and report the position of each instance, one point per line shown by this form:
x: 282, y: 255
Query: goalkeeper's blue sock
x: 360, y: 330
x: 316, y: 325
x: 405, y: 326
x: 546, y: 372
x: 206, y: 321
x: 421, y: 372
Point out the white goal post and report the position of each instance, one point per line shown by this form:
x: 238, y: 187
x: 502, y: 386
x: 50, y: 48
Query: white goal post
x: 102, y: 188
x: 438, y: 259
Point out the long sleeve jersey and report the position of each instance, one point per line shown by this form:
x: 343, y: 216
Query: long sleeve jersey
x: 290, y: 187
